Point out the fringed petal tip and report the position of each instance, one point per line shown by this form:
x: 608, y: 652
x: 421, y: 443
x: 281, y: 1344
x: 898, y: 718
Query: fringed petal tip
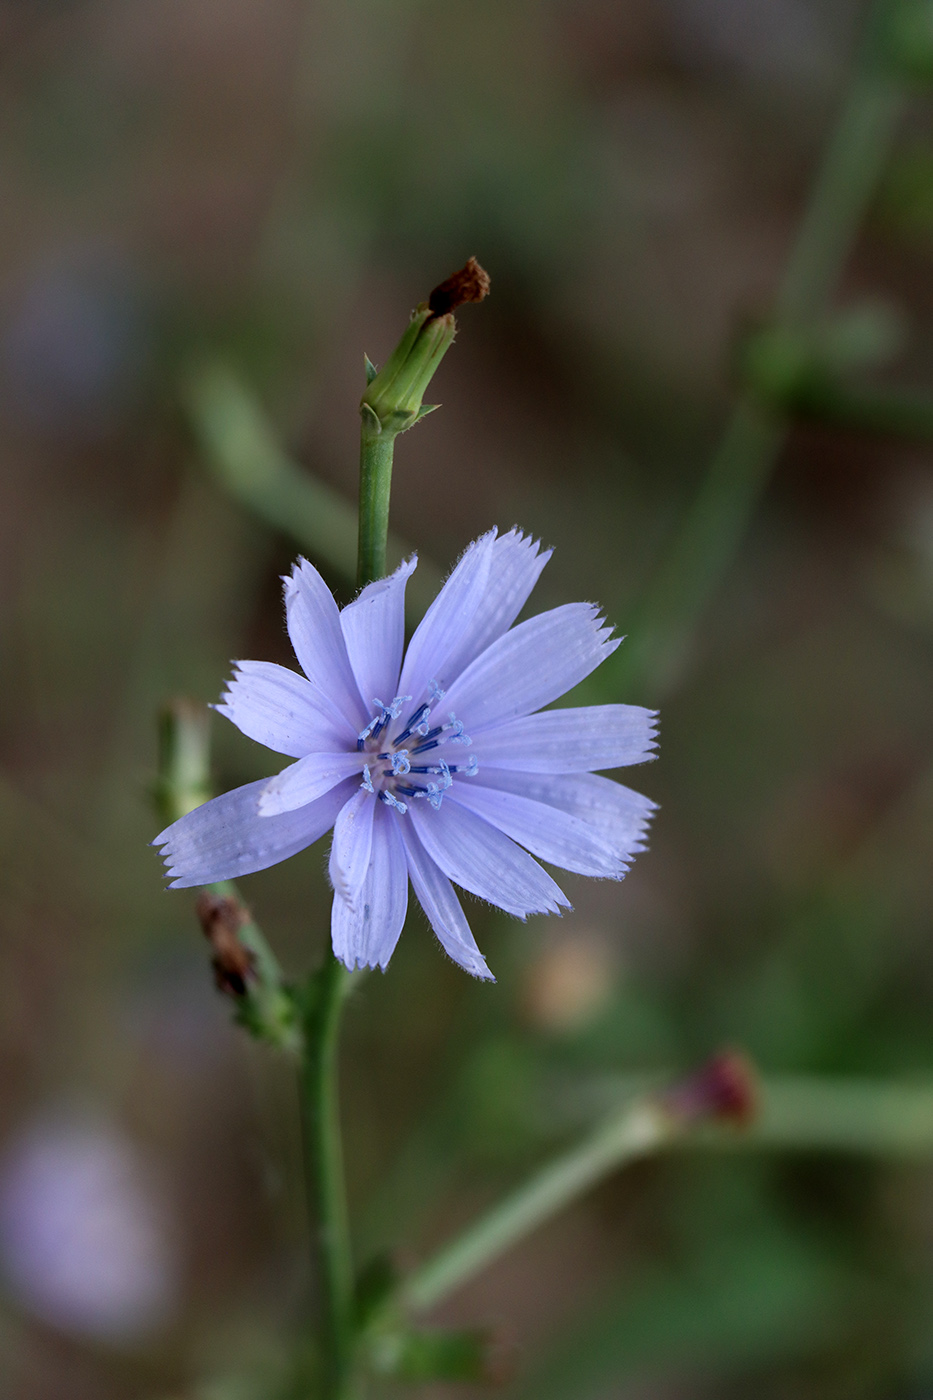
x: 472, y: 962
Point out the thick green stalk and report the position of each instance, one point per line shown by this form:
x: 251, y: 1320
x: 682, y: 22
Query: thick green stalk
x: 376, y: 452
x: 326, y: 1190
x: 320, y: 1087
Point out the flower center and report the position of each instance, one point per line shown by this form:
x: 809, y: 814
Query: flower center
x: 397, y: 769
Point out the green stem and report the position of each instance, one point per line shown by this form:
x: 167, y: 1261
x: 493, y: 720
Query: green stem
x: 327, y: 1194
x: 797, y: 1113
x: 659, y: 635
x: 852, y: 164
x: 641, y: 1129
x: 705, y: 545
x: 376, y: 452
x: 324, y: 1148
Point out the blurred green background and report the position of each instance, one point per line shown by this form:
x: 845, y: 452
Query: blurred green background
x: 276, y: 183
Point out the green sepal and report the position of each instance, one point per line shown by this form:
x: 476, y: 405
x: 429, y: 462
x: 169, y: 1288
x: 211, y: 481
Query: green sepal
x: 395, y: 394
x: 425, y: 409
x: 370, y: 368
x: 370, y: 418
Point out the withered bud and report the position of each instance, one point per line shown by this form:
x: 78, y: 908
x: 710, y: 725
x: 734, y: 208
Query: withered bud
x: 221, y: 920
x: 723, y: 1090
x: 471, y: 283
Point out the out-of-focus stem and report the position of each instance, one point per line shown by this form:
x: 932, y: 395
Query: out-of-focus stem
x: 708, y: 538
x: 795, y: 1113
x: 852, y: 165
x: 639, y: 1130
x: 660, y: 632
x: 867, y: 408
x: 244, y: 455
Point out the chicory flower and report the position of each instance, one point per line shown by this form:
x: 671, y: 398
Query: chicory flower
x: 435, y: 764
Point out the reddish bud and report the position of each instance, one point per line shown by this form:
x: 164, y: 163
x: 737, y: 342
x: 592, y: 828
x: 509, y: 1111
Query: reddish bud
x: 724, y: 1090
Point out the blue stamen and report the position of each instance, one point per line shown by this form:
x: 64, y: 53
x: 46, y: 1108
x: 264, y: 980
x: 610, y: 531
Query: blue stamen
x: 367, y: 782
x: 416, y: 724
x: 435, y: 691
x: 393, y: 709
x: 400, y: 763
x: 435, y: 795
x: 423, y: 748
x: 379, y: 721
x: 472, y: 767
x: 458, y: 736
x: 391, y: 801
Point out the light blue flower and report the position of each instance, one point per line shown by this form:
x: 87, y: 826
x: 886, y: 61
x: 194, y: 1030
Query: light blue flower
x: 434, y: 766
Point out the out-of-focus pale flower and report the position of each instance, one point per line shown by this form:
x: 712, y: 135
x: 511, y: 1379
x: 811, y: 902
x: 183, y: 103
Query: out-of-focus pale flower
x: 570, y: 983
x: 85, y: 1241
x: 448, y: 776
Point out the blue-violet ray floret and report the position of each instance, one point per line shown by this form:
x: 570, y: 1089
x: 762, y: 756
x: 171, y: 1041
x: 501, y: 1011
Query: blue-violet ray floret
x: 461, y: 778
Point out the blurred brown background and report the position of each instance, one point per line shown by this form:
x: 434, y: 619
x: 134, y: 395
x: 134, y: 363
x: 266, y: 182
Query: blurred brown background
x: 278, y: 183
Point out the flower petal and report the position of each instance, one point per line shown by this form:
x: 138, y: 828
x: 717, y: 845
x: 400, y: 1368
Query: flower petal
x: 374, y: 630
x: 307, y: 780
x: 515, y: 566
x: 314, y: 628
x: 484, y: 861
x: 550, y: 834
x: 533, y: 664
x: 366, y: 934
x: 282, y: 710
x: 442, y: 907
x: 617, y: 814
x: 352, y: 846
x: 447, y: 620
x: 575, y: 740
x: 226, y: 837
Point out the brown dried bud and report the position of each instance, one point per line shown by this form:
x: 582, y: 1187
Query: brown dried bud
x: 725, y: 1089
x: 471, y: 283
x: 221, y: 920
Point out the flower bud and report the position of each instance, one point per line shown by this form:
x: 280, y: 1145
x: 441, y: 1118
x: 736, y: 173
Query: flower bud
x: 393, y: 398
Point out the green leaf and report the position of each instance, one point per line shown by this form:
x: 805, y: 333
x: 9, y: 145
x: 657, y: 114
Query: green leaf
x: 373, y: 1288
x: 435, y: 1356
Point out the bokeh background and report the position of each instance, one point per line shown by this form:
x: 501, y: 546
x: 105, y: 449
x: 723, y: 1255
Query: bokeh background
x: 274, y: 184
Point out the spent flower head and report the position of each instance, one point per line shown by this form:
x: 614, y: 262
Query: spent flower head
x: 437, y: 764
